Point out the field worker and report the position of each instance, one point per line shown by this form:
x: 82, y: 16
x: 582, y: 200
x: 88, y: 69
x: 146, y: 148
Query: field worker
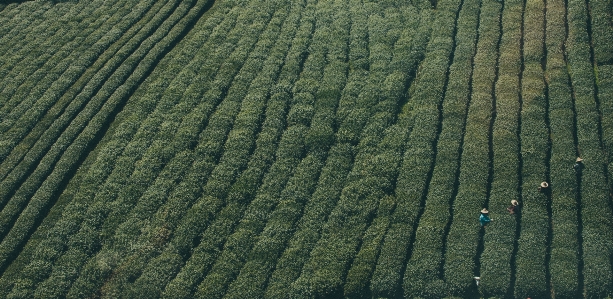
x: 578, y: 165
x: 543, y: 187
x: 484, y: 219
x: 514, y: 208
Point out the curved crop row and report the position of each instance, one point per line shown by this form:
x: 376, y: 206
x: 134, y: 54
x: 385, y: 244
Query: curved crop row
x: 263, y: 256
x: 132, y: 115
x: 496, y: 270
x: 56, y: 106
x: 291, y: 177
x: 565, y: 241
x: 39, y: 63
x: 133, y: 204
x: 596, y: 214
x: 31, y: 15
x: 373, y: 171
x: 70, y: 70
x: 532, y: 251
x: 64, y: 129
x: 387, y: 275
x: 464, y: 234
x: 295, y: 254
x: 67, y: 138
x: 7, y: 14
x: 37, y: 55
x: 145, y: 58
x: 423, y: 275
x: 359, y: 280
x: 220, y: 184
x: 201, y: 258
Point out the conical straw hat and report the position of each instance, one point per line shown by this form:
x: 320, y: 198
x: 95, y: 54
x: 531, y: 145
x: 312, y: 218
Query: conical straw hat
x: 578, y: 159
x: 514, y: 202
x: 544, y: 185
x: 484, y: 211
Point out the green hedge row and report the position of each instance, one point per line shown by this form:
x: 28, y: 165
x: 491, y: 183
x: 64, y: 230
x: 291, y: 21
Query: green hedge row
x: 423, y: 276
x: 359, y: 275
x: 403, y: 61
x: 219, y: 125
x: 238, y: 145
x: 204, y: 255
x: 289, y: 264
x: 75, y: 150
x: 64, y: 129
x: 11, y: 13
x: 43, y: 62
x: 324, y: 272
x: 374, y: 167
x: 29, y: 187
x: 102, y: 168
x: 463, y: 237
x: 274, y: 238
x: 531, y: 267
x: 31, y: 18
x: 605, y: 96
x: 499, y: 237
x: 602, y: 31
x: 42, y: 51
x: 244, y: 189
x: 59, y: 99
x: 386, y: 278
x: 564, y: 261
x: 273, y: 212
x: 596, y: 214
x: 60, y: 116
x: 358, y: 283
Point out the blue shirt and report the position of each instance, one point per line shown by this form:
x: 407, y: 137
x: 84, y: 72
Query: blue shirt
x: 484, y: 219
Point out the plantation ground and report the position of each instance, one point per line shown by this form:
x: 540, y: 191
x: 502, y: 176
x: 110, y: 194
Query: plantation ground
x: 305, y: 148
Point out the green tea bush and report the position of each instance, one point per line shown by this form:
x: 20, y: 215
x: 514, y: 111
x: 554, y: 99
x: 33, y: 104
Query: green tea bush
x: 284, y: 205
x: 387, y: 275
x: 323, y: 273
x: 602, y: 31
x: 463, y: 236
x: 96, y: 50
x: 499, y: 238
x: 605, y: 96
x: 531, y: 267
x: 215, y: 135
x: 595, y: 202
x: 423, y: 275
x: 86, y: 136
x: 564, y: 262
x: 50, y: 156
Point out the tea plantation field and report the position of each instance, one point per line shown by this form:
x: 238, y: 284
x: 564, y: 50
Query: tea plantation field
x: 305, y: 148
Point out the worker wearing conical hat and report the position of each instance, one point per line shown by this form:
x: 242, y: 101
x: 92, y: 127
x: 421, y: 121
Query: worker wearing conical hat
x: 484, y: 219
x: 543, y: 187
x: 578, y: 165
x: 514, y: 208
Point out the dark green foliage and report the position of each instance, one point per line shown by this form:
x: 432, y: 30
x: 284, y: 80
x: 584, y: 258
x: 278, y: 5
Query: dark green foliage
x: 471, y: 196
x: 596, y: 214
x: 499, y: 238
x: 564, y: 262
x: 305, y: 149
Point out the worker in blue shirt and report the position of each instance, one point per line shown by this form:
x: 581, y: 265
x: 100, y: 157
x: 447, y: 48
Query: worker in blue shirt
x: 484, y: 219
